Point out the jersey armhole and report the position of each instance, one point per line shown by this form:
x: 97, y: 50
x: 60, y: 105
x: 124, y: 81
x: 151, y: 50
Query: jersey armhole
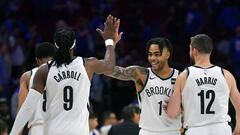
x: 83, y: 61
x: 222, y: 71
x: 50, y: 64
x: 188, y: 72
x: 31, y: 72
x: 145, y: 82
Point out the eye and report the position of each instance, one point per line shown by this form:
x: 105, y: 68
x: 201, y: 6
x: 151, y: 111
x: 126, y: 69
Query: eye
x: 157, y: 54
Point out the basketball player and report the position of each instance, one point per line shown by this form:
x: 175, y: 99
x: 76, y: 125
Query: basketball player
x: 154, y: 85
x: 44, y: 52
x: 67, y: 83
x: 204, y: 90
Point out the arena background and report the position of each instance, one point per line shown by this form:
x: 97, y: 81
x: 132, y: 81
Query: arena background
x: 24, y: 23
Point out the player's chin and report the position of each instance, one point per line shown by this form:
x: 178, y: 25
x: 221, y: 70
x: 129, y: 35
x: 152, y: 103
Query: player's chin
x: 155, y: 67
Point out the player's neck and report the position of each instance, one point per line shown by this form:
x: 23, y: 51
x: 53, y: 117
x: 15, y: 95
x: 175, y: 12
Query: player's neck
x: 203, y: 62
x: 166, y: 71
x: 72, y: 56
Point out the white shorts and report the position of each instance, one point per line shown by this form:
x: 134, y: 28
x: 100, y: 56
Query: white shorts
x: 36, y: 130
x: 146, y: 132
x: 213, y: 129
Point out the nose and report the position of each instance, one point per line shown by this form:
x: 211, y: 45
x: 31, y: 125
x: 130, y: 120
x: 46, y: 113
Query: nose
x: 152, y: 57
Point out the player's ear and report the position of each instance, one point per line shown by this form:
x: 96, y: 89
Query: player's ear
x: 167, y: 54
x: 194, y: 51
x: 37, y: 60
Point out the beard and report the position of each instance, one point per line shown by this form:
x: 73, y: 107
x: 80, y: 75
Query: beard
x: 192, y: 62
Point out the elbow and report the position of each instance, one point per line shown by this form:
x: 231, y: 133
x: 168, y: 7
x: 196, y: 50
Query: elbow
x: 171, y: 114
x: 109, y: 68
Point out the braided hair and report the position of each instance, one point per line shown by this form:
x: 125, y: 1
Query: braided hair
x: 64, y: 39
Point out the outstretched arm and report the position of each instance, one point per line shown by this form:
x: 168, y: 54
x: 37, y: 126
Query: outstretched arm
x: 128, y: 73
x: 111, y: 36
x: 235, y: 99
x: 132, y: 73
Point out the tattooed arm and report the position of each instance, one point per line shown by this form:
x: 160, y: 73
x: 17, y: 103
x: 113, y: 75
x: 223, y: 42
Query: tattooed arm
x: 131, y: 73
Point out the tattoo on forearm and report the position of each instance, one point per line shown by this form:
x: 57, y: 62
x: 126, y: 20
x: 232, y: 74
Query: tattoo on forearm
x: 129, y: 73
x: 124, y: 73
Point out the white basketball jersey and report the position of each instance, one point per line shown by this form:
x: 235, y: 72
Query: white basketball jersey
x: 37, y: 117
x: 67, y: 94
x: 205, y: 97
x: 157, y: 90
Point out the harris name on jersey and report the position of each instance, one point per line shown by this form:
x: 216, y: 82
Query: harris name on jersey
x: 206, y: 80
x: 67, y: 75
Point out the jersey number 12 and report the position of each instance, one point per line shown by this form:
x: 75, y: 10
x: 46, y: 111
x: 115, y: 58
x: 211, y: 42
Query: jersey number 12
x: 209, y: 94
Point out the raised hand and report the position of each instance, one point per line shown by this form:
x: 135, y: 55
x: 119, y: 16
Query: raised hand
x: 111, y: 29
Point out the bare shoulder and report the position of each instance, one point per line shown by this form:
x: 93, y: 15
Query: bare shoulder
x: 183, y: 75
x: 227, y: 74
x: 40, y: 78
x: 181, y: 79
x: 90, y: 59
x: 229, y: 78
x: 25, y: 76
x: 42, y: 71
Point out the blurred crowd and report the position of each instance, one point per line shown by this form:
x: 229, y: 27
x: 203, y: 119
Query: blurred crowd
x: 24, y: 23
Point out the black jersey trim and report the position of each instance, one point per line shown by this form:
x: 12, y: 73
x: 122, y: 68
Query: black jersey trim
x: 50, y: 64
x: 204, y: 68
x: 188, y: 72
x: 83, y: 61
x: 139, y: 96
x: 166, y: 77
x: 222, y: 71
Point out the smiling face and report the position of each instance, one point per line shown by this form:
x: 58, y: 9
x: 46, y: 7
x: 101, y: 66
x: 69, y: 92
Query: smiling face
x: 157, y: 59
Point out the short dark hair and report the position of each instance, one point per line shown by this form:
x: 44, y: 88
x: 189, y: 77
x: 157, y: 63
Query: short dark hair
x: 106, y: 115
x: 92, y: 115
x: 3, y: 126
x: 64, y: 38
x: 129, y: 111
x: 162, y: 42
x: 44, y: 50
x: 203, y: 43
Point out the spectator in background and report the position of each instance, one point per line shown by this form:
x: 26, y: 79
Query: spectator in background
x: 4, y: 112
x: 3, y: 128
x: 129, y: 126
x: 109, y: 119
x: 93, y: 123
x: 16, y: 48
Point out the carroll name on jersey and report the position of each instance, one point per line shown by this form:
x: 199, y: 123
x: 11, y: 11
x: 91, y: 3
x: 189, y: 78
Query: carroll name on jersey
x: 67, y: 75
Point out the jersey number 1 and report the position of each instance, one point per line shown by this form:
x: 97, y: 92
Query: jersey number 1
x: 160, y: 108
x: 209, y: 94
